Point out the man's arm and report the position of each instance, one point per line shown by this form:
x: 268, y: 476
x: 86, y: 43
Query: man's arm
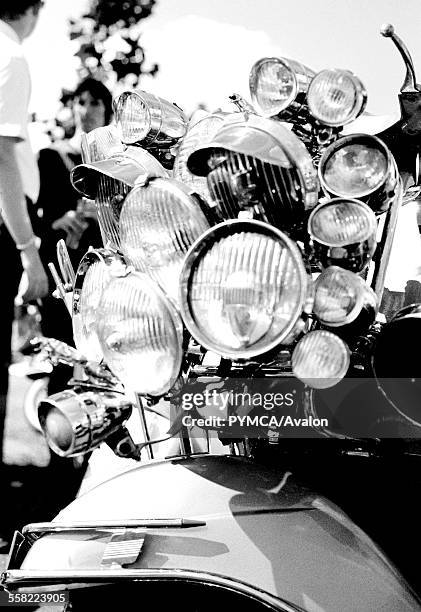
x: 15, y: 215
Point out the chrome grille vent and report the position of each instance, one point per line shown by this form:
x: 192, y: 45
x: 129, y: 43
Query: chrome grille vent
x: 241, y: 182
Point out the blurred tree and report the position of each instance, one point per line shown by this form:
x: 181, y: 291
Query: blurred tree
x: 108, y: 40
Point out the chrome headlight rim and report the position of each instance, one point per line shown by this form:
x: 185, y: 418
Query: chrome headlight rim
x: 223, y: 230
x: 254, y: 80
x: 112, y: 260
x: 343, y: 142
x: 359, y: 102
x: 301, y: 76
x: 297, y: 358
x: 168, y: 305
x: 52, y: 403
x: 153, y: 118
x: 91, y: 416
x: 371, y: 230
x: 155, y: 111
x: 365, y: 296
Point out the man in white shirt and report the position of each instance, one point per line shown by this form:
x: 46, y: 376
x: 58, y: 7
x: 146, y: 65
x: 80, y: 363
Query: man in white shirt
x: 19, y: 180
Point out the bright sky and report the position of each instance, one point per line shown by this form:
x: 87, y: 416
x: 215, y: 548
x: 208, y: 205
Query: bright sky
x: 205, y: 48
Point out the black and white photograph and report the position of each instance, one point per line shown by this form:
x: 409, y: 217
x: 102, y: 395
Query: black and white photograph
x: 210, y: 313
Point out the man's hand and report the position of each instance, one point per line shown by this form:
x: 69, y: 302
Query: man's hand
x: 34, y: 278
x: 73, y: 223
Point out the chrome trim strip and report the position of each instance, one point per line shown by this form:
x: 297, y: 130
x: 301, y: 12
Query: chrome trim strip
x: 112, y: 524
x: 20, y: 578
x: 384, y: 248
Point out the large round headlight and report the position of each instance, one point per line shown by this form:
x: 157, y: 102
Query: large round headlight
x: 93, y: 275
x: 343, y: 233
x: 396, y: 362
x: 143, y: 118
x: 276, y: 83
x: 158, y: 224
x: 359, y: 166
x: 243, y: 289
x: 320, y: 359
x: 140, y: 333
x: 340, y: 296
x: 336, y: 97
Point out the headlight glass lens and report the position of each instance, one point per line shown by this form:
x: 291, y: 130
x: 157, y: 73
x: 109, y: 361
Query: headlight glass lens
x: 58, y: 429
x: 132, y: 117
x: 243, y: 288
x: 75, y: 421
x: 342, y: 222
x: 158, y: 224
x: 320, y: 359
x: 273, y: 85
x: 336, y: 97
x: 140, y: 334
x: 338, y: 296
x: 84, y: 323
x: 354, y: 170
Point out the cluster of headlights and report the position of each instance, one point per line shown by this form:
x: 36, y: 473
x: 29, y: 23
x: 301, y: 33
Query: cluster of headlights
x: 241, y: 287
x: 284, y: 88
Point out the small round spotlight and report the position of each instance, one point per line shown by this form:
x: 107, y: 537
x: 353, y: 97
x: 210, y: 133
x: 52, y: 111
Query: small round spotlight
x: 320, y: 359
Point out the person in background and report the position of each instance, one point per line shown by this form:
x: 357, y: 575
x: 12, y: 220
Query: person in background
x: 62, y: 215
x: 59, y: 482
x: 19, y: 180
